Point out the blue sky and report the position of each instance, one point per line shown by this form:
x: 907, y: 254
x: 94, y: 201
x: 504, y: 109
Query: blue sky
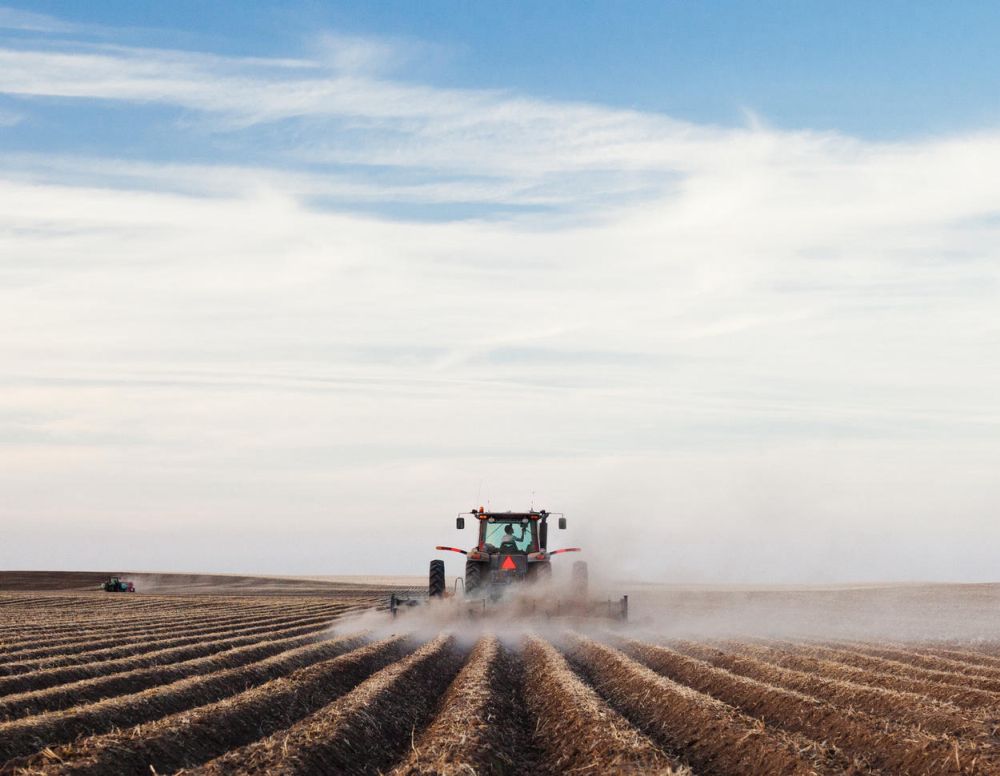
x: 885, y: 69
x: 276, y: 273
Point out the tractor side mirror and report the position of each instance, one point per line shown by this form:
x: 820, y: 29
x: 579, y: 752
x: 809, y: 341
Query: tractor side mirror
x: 460, y: 522
x: 562, y: 523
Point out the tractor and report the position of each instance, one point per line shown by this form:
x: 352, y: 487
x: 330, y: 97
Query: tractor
x: 512, y: 549
x: 512, y: 553
x: 117, y: 585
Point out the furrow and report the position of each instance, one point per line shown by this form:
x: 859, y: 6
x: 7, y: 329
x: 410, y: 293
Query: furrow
x: 57, y: 676
x: 107, y: 623
x: 26, y: 736
x: 92, y: 690
x: 875, y: 743
x: 961, y: 696
x: 481, y: 727
x: 969, y: 656
x: 113, y: 635
x: 363, y: 732
x: 908, y: 708
x: 57, y: 618
x: 705, y: 733
x: 91, y: 651
x: 576, y: 730
x: 193, y: 737
x: 140, y: 647
x: 931, y: 662
x: 898, y: 668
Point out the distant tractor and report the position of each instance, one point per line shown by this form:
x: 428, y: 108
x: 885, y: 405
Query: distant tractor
x: 117, y: 585
x: 512, y: 549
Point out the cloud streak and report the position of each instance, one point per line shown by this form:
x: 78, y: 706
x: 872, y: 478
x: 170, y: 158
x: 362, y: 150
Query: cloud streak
x: 16, y: 19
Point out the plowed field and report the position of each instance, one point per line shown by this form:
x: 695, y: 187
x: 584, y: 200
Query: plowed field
x: 315, y: 680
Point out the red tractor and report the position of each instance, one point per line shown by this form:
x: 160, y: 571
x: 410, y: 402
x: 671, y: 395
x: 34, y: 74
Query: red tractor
x: 512, y: 548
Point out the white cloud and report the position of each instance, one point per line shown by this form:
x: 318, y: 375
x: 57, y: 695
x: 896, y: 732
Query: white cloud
x: 371, y: 56
x: 16, y: 19
x: 750, y: 332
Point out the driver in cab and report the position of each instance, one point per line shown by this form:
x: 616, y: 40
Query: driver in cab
x: 508, y: 543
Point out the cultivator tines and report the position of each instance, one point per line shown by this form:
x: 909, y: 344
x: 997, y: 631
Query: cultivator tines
x: 518, y: 607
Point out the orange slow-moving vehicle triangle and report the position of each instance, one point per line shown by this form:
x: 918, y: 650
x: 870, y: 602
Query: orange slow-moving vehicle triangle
x: 508, y: 564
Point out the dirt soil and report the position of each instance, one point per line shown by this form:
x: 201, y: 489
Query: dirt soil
x: 212, y: 674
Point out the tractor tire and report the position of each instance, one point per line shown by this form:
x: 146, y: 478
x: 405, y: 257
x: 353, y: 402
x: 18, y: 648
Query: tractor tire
x: 473, y: 576
x: 539, y: 572
x: 579, y: 579
x: 436, y: 587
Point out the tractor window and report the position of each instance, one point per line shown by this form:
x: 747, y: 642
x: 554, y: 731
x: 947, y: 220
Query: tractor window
x: 523, y: 533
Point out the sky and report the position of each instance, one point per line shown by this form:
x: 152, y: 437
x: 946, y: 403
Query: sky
x: 286, y: 286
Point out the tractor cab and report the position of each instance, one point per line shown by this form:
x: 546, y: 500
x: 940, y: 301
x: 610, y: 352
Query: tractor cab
x: 506, y: 540
x: 512, y: 547
x: 508, y: 535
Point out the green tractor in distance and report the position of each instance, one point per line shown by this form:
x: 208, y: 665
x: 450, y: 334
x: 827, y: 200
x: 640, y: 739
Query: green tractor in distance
x: 117, y: 585
x: 512, y: 549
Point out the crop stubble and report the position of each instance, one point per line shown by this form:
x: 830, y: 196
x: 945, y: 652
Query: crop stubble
x: 93, y: 684
x: 874, y: 742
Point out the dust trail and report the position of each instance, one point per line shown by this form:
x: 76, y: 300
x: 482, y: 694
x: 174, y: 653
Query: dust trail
x: 945, y: 613
x: 917, y: 612
x: 547, y: 609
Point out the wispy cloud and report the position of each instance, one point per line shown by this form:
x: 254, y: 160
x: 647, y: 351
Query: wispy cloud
x: 17, y: 19
x: 369, y: 56
x: 505, y: 141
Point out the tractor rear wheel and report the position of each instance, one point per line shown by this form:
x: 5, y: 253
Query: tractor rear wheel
x: 473, y: 578
x: 580, y: 578
x: 436, y: 587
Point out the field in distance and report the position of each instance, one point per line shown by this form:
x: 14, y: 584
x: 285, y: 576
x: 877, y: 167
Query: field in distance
x: 214, y: 674
x: 215, y: 584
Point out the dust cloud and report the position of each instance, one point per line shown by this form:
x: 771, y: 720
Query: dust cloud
x: 904, y: 613
x: 681, y: 585
x: 547, y: 609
